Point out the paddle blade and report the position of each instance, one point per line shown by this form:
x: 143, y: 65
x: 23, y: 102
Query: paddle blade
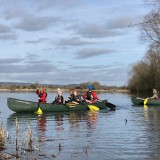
x: 39, y: 111
x: 71, y: 104
x: 145, y: 101
x: 92, y: 107
x: 111, y: 106
x: 145, y: 106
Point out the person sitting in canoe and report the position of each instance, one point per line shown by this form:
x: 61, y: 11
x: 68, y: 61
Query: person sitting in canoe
x: 59, y: 98
x: 90, y: 96
x: 155, y: 94
x: 75, y: 98
x: 70, y: 96
x: 42, y: 94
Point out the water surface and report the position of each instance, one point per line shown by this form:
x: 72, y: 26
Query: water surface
x: 130, y: 132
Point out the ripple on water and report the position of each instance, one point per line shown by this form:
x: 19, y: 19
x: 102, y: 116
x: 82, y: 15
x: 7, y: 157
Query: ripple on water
x: 131, y: 132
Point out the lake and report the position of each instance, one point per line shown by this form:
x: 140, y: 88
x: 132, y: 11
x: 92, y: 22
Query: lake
x: 130, y: 132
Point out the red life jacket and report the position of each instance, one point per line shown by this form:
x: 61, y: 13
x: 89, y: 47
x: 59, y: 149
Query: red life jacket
x: 42, y: 96
x: 91, y: 96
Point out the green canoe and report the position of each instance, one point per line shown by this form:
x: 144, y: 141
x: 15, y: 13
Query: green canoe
x: 46, y: 107
x: 18, y: 106
x: 140, y: 101
x: 137, y: 100
x: 103, y: 104
x: 100, y: 104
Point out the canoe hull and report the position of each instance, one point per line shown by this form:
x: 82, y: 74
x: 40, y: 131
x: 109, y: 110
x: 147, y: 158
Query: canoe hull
x: 101, y: 104
x: 137, y: 100
x: 140, y: 101
x: 62, y: 107
x: 19, y: 106
x: 153, y: 102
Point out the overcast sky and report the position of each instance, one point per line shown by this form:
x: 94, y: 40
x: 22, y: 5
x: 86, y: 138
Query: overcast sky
x: 69, y: 41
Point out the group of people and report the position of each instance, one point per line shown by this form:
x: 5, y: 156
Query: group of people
x: 89, y: 96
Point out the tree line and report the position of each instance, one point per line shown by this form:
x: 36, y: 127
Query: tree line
x: 82, y: 86
x: 145, y: 74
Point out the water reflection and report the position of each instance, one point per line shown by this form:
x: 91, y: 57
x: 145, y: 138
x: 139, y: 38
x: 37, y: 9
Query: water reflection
x: 54, y: 130
x: 73, y: 119
x: 59, y: 118
x: 145, y: 111
x: 2, y: 145
x: 151, y: 112
x: 59, y: 121
x: 22, y: 118
x: 147, y: 118
x: 74, y: 127
x: 88, y: 135
x: 92, y: 119
x: 153, y: 119
x: 42, y: 124
x: 44, y: 121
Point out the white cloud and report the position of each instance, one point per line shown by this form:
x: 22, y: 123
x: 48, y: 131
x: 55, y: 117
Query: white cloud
x: 57, y: 34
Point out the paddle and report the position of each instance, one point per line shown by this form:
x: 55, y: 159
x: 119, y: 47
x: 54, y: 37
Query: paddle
x: 111, y: 106
x: 91, y: 107
x: 145, y: 101
x: 145, y: 106
x: 72, y: 103
x: 39, y: 111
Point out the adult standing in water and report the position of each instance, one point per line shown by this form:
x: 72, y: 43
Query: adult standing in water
x: 42, y: 94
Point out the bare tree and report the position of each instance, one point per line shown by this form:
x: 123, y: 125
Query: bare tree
x: 146, y: 73
x: 150, y: 27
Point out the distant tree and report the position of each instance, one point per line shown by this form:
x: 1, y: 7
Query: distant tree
x: 84, y: 85
x: 24, y: 87
x: 139, y: 76
x: 145, y: 75
x: 35, y: 85
x: 51, y: 86
x: 12, y: 87
x: 96, y: 85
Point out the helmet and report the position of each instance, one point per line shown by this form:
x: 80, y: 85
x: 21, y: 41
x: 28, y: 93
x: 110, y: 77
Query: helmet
x: 90, y: 87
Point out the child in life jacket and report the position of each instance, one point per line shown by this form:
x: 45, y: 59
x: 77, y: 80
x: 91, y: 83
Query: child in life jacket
x: 59, y: 98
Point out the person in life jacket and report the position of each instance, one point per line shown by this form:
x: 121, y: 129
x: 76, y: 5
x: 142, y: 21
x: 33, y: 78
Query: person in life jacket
x: 75, y: 97
x: 42, y: 95
x: 155, y: 94
x: 59, y: 98
x: 90, y: 96
x: 70, y: 96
